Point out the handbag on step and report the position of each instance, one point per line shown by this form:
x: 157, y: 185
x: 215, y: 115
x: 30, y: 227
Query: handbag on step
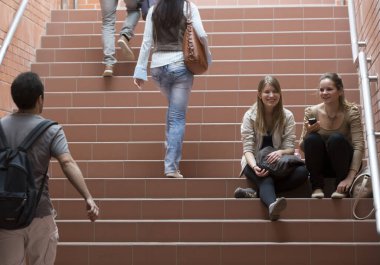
x: 361, y: 188
x: 193, y: 50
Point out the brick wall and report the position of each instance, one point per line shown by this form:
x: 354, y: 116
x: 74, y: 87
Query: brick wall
x: 22, y: 49
x: 367, y: 25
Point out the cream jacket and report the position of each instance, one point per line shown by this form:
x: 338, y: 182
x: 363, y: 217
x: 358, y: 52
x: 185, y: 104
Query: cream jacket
x: 282, y: 138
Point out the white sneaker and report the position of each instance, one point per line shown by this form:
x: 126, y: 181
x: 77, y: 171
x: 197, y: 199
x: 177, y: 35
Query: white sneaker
x: 127, y: 51
x: 338, y: 195
x: 317, y: 194
x: 276, y: 207
x: 108, y: 71
x: 175, y: 174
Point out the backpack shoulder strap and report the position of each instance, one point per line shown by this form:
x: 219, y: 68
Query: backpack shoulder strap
x: 35, y: 133
x: 3, y: 139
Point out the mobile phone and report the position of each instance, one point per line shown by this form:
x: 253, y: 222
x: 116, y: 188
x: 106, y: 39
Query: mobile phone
x: 312, y: 121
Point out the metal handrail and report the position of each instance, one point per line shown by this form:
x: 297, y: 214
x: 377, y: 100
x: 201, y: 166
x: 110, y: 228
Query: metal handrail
x: 368, y: 115
x: 371, y: 135
x: 12, y: 30
x: 353, y: 34
x: 65, y: 4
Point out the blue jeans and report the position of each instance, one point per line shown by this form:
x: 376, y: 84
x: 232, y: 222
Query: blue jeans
x: 174, y: 82
x: 108, y: 8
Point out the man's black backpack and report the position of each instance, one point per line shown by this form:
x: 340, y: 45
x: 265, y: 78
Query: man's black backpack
x: 19, y: 195
x: 145, y: 5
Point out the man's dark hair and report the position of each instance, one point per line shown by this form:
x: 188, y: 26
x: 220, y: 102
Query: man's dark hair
x: 26, y: 89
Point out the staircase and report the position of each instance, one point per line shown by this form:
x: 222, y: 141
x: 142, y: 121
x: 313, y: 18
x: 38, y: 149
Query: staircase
x: 116, y: 134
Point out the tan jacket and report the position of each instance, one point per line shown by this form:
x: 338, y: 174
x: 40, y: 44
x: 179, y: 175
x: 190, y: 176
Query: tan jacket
x: 252, y: 140
x: 351, y: 128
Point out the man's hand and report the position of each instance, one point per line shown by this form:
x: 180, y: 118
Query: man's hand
x: 92, y: 209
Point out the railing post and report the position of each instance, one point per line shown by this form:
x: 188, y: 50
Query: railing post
x: 371, y: 139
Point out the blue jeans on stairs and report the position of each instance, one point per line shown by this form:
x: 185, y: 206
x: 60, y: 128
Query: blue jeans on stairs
x: 174, y: 82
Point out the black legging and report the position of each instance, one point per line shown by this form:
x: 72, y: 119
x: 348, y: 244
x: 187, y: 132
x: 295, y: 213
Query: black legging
x: 268, y: 186
x: 330, y: 158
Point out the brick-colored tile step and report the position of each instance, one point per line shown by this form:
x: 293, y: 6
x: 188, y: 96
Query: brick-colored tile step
x: 218, y: 67
x: 223, y: 25
x: 260, y: 253
x: 154, y: 132
x: 154, y: 150
x: 149, y: 132
x: 257, y: 230
x: 154, y: 116
x: 215, y: 39
x: 218, y: 53
x: 211, y: 208
x: 205, y: 168
x: 207, y: 13
x: 124, y: 83
x: 150, y: 188
x: 205, y: 98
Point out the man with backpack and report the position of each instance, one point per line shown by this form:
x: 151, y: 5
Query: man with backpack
x: 37, y: 240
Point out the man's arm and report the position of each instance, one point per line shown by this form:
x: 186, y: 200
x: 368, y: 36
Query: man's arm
x: 74, y: 175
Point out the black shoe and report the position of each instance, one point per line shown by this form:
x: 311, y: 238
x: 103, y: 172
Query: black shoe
x: 245, y: 193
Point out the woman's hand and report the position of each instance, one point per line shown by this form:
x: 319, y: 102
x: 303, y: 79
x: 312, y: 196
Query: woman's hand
x: 139, y: 82
x: 274, y: 156
x: 312, y: 128
x: 260, y: 172
x: 344, y: 185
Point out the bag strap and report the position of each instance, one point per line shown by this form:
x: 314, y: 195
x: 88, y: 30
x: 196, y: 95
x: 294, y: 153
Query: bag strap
x: 35, y: 134
x: 364, y: 182
x: 28, y: 142
x: 188, y: 12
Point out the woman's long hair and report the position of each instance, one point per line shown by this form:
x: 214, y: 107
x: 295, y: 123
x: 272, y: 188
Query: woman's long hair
x: 168, y: 14
x: 278, y: 111
x: 338, y: 82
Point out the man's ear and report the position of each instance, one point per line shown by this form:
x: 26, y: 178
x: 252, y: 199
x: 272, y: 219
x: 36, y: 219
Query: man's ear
x: 40, y: 103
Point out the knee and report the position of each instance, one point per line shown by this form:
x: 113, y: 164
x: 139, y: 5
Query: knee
x: 313, y: 139
x: 302, y: 172
x: 335, y: 140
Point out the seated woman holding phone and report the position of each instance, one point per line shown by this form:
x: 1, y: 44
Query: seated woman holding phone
x: 332, y: 138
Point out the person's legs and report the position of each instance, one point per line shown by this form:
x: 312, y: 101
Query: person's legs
x: 175, y: 82
x: 340, y: 153
x: 12, y: 250
x: 130, y: 22
x: 128, y: 28
x: 108, y: 8
x: 178, y: 102
x: 267, y: 193
x: 315, y: 157
x: 264, y: 185
x: 42, y: 239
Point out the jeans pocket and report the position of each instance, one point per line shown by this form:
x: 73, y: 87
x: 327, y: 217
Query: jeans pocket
x: 156, y: 74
